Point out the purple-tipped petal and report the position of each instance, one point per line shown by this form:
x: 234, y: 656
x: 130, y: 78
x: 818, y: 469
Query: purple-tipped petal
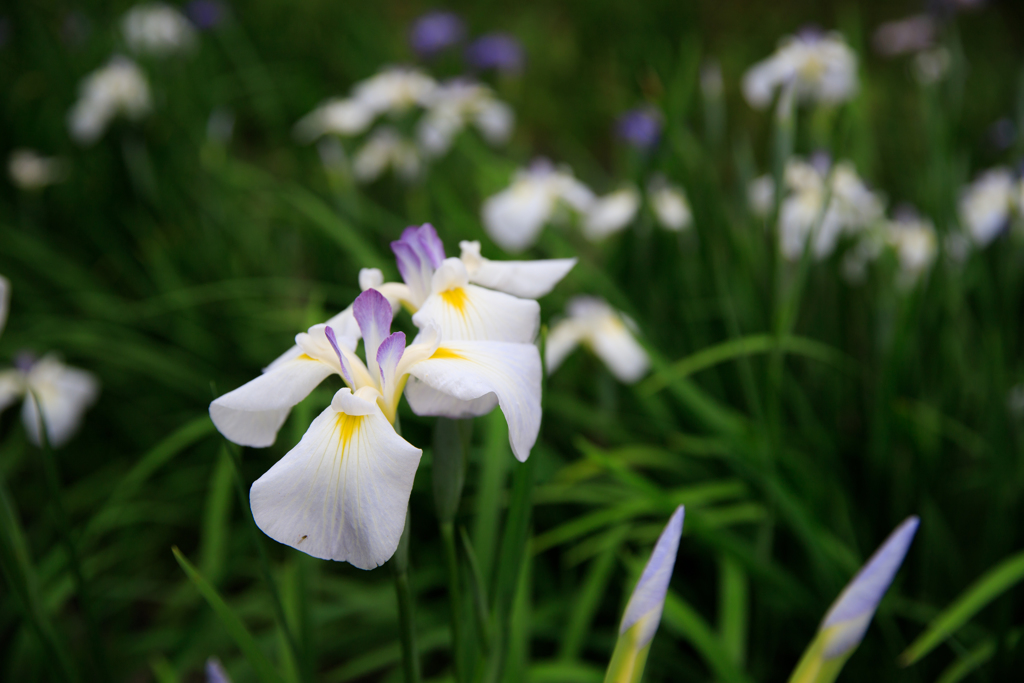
x: 329, y: 331
x: 500, y: 51
x: 648, y: 597
x: 418, y: 253
x: 373, y: 314
x: 388, y: 354
x: 853, y: 609
x: 435, y: 31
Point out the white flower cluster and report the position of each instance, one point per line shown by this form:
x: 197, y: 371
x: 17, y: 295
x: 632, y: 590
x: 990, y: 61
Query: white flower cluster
x: 117, y: 89
x: 988, y: 205
x: 155, y: 28
x: 543, y: 194
x: 442, y: 111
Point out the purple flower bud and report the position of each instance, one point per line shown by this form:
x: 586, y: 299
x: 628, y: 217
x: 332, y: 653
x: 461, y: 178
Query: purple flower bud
x: 639, y: 127
x: 435, y: 31
x: 206, y: 14
x: 500, y: 51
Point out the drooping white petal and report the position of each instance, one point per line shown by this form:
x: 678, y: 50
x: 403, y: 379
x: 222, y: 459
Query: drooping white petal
x: 430, y: 401
x: 611, y: 213
x: 670, y: 207
x: 5, y: 301
x: 526, y: 279
x: 342, y: 492
x: 621, y: 352
x: 469, y: 370
x: 460, y: 310
x: 848, y: 618
x: 339, y: 116
x: 495, y: 121
x: 513, y: 218
x: 605, y: 331
x: 648, y: 598
x: 252, y: 414
x: 64, y: 394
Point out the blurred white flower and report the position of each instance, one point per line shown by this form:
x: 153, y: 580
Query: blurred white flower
x: 385, y: 149
x: 344, y: 117
x: 851, y: 207
x: 5, y: 301
x: 761, y: 195
x: 29, y: 170
x: 820, y: 67
x: 608, y: 333
x: 119, y: 88
x: 669, y: 203
x: 157, y: 29
x: 610, y: 213
x: 63, y: 392
x: 453, y: 105
x: 986, y: 204
x: 931, y: 66
x: 916, y: 246
x: 394, y: 90
x: 514, y: 217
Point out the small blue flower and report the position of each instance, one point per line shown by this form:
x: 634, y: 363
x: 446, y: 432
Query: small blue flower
x: 436, y: 31
x: 499, y: 51
x: 206, y: 14
x: 640, y: 127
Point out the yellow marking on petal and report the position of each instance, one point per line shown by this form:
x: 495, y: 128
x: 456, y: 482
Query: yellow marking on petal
x: 446, y: 354
x: 457, y: 299
x: 304, y: 356
x: 348, y: 425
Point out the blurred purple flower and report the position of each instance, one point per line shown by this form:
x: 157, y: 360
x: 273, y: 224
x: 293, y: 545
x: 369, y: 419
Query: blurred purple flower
x: 206, y: 14
x: 435, y: 31
x: 912, y: 34
x: 639, y: 127
x: 500, y: 51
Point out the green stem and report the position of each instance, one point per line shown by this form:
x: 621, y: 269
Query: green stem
x: 74, y: 561
x: 455, y: 598
x: 406, y: 618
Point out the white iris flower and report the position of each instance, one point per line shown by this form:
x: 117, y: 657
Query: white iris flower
x: 63, y: 392
x: 158, y: 29
x: 821, y: 68
x: 342, y: 492
x: 454, y: 105
x: 916, y: 246
x: 30, y: 171
x: 386, y: 149
x: 608, y: 333
x: 987, y: 204
x: 851, y: 207
x: 611, y: 213
x: 117, y: 89
x: 514, y: 217
x: 669, y: 203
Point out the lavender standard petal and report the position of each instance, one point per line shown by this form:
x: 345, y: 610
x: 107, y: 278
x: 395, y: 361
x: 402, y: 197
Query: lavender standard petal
x: 409, y: 264
x: 329, y: 331
x: 418, y: 253
x: 649, y: 595
x: 500, y: 51
x: 435, y: 31
x: 388, y: 354
x: 427, y: 242
x: 373, y: 314
x: 641, y: 128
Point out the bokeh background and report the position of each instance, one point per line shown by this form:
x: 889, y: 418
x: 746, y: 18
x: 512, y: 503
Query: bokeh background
x: 181, y: 254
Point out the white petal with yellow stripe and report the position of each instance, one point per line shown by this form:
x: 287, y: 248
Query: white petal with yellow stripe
x: 342, y: 492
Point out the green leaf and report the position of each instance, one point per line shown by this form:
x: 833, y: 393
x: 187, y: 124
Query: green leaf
x: 231, y: 622
x: 334, y: 226
x: 992, y: 584
x: 738, y: 348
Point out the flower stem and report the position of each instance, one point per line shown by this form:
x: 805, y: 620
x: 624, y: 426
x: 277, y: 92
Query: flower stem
x: 406, y: 618
x: 455, y: 598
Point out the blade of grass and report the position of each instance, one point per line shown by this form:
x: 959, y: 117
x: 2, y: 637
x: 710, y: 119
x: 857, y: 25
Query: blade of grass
x: 991, y: 585
x: 231, y: 622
